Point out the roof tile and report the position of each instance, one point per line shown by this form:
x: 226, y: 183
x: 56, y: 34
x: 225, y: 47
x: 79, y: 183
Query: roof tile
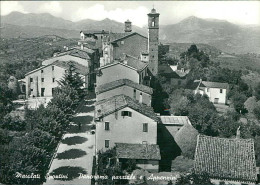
x: 138, y: 151
x: 115, y: 84
x: 224, y: 158
x: 118, y: 102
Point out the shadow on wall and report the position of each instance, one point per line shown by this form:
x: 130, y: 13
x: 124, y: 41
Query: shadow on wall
x: 168, y: 147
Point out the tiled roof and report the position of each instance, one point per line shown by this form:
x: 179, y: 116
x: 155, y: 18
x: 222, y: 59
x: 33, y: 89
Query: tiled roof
x: 175, y: 120
x: 114, y: 37
x: 65, y: 65
x: 129, y: 61
x: 134, y: 62
x: 118, y: 102
x: 138, y: 151
x: 94, y: 32
x: 222, y: 158
x: 112, y: 85
x: 76, y: 52
x: 214, y: 85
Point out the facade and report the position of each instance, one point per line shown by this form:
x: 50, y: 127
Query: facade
x: 146, y: 156
x: 153, y: 41
x: 127, y: 68
x: 117, y: 44
x: 121, y: 119
x: 228, y: 160
x: 217, y: 92
x: 42, y: 81
x: 127, y: 87
x: 88, y: 58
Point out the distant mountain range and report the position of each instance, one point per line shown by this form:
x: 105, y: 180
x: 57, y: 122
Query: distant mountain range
x: 223, y: 35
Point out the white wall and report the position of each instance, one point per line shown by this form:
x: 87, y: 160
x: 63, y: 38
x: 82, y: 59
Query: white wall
x: 126, y: 129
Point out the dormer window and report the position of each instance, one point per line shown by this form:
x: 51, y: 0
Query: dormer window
x: 126, y: 113
x: 122, y: 42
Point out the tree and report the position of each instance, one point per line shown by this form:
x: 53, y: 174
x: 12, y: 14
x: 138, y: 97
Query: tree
x: 257, y: 91
x: 73, y: 80
x: 238, y: 102
x: 194, y: 179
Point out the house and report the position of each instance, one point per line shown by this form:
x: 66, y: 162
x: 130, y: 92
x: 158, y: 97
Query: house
x: 86, y: 57
x: 127, y: 87
x: 147, y: 156
x: 127, y: 67
x: 224, y: 159
x: 120, y: 119
x: 217, y: 92
x: 42, y: 81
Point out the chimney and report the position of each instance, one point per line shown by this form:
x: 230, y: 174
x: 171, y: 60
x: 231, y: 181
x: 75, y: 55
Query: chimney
x: 128, y: 26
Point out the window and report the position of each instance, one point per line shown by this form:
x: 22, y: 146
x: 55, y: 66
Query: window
x: 106, y: 143
x: 221, y: 90
x: 126, y: 113
x: 122, y: 42
x: 31, y: 90
x: 145, y: 127
x: 31, y: 79
x: 52, y: 91
x: 42, y: 91
x: 41, y: 71
x: 53, y: 68
x: 42, y: 79
x: 53, y: 79
x: 106, y: 125
x: 134, y: 94
x: 207, y: 89
x: 144, y: 142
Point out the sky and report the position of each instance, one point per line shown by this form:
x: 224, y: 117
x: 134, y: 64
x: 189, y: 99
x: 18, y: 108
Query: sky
x: 171, y: 12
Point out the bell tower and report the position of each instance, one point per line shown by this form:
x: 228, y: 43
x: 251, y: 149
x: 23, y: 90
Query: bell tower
x: 153, y: 41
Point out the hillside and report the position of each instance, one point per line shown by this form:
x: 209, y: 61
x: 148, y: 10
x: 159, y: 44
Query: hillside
x: 223, y: 35
x: 35, y: 25
x: 21, y: 55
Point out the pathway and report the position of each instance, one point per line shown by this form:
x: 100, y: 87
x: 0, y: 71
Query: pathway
x: 75, y: 151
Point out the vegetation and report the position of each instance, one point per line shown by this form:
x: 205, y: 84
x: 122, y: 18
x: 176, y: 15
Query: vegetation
x: 107, y: 166
x: 181, y: 100
x: 27, y: 146
x: 194, y: 178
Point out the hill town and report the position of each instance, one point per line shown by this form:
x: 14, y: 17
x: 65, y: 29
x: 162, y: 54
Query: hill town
x: 125, y: 106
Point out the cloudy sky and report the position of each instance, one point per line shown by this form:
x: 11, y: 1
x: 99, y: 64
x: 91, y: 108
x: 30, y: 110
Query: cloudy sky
x: 239, y: 12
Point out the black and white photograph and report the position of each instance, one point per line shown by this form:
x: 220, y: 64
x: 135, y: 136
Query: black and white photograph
x: 129, y: 92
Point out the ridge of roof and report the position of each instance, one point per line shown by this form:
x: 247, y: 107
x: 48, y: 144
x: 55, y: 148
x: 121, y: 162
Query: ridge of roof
x: 225, y: 158
x: 63, y: 64
x: 214, y: 84
x: 118, y: 102
x: 121, y: 82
